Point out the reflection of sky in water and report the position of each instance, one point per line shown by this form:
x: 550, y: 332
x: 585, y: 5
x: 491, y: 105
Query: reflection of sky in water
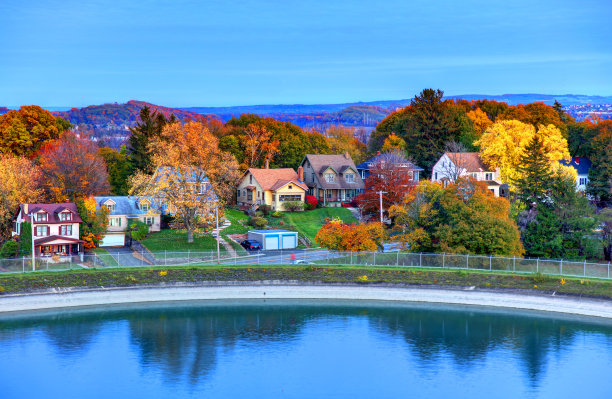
x: 306, y: 351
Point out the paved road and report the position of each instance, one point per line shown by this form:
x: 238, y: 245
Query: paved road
x: 282, y: 257
x: 125, y: 256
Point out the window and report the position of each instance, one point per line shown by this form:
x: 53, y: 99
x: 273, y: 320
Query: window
x: 583, y: 181
x: 290, y: 197
x: 290, y: 187
x: 474, y: 175
x: 238, y: 194
x: 349, y: 177
x: 149, y: 220
x: 115, y: 222
x: 273, y: 197
x: 41, y: 231
x: 65, y: 216
x: 66, y: 230
x: 145, y: 206
x: 251, y: 179
x: 329, y: 177
x: 489, y: 176
x: 110, y: 206
x: 436, y: 176
x: 41, y: 217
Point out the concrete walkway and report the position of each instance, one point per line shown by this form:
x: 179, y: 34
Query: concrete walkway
x: 230, y: 250
x: 61, y: 298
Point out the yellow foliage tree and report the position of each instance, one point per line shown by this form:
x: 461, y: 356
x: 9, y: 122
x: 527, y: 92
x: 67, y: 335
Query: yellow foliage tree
x: 480, y: 120
x: 393, y: 142
x: 503, y: 143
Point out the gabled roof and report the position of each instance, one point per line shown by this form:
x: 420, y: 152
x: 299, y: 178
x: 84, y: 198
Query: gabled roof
x: 44, y: 240
x: 339, y: 163
x: 470, y: 161
x: 282, y: 183
x: 268, y: 178
x: 384, y: 157
x: 581, y: 164
x: 53, y: 210
x: 124, y: 205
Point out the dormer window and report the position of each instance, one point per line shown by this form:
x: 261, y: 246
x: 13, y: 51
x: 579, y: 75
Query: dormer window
x: 145, y: 206
x: 110, y: 205
x: 42, y: 217
x: 349, y: 177
x: 65, y: 216
x: 329, y: 177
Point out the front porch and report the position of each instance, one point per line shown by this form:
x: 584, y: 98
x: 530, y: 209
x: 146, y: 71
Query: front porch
x: 335, y: 197
x: 58, y: 246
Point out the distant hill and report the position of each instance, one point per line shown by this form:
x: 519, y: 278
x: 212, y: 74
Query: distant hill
x: 118, y: 114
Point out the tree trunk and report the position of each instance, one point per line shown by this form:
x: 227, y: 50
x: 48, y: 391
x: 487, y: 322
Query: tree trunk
x: 189, y: 235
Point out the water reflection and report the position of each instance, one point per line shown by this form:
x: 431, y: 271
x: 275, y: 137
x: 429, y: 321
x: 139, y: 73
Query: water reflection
x: 184, y: 343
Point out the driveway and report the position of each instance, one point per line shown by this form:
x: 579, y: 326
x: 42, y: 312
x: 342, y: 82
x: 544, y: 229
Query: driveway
x: 125, y: 256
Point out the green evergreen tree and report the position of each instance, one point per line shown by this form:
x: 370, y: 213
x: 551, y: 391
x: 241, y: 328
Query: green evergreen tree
x: 536, y: 173
x: 119, y: 169
x: 149, y: 127
x: 25, y: 239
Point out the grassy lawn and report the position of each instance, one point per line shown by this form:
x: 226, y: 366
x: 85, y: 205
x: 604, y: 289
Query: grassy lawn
x: 176, y: 241
x: 29, y: 282
x: 235, y: 217
x: 308, y: 223
x: 105, y: 257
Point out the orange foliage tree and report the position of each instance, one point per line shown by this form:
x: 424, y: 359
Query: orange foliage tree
x: 336, y: 235
x: 72, y: 168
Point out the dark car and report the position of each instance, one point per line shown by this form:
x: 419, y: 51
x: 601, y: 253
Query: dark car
x: 251, y: 245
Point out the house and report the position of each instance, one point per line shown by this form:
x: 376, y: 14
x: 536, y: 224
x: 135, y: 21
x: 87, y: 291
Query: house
x: 186, y: 185
x: 453, y: 165
x: 121, y: 211
x: 55, y: 228
x: 333, y: 179
x: 582, y: 166
x: 272, y: 187
x: 397, y: 159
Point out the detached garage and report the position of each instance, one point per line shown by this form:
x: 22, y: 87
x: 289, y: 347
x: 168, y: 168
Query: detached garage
x: 275, y: 239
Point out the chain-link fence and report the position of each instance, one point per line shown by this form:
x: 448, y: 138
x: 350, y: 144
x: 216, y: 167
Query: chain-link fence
x: 128, y: 258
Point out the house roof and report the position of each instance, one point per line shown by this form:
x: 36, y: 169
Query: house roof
x: 340, y: 163
x: 384, y: 157
x: 53, y: 210
x: 129, y: 206
x: 581, y: 164
x: 282, y: 183
x: 470, y: 161
x: 68, y: 240
x: 268, y: 179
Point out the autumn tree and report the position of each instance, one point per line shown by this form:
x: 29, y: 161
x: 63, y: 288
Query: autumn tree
x: 393, y: 176
x: 342, y: 140
x: 25, y: 131
x: 119, y: 169
x: 187, y: 158
x: 20, y: 182
x: 95, y: 221
x: 145, y: 131
x: 259, y: 145
x: 600, y: 174
x: 503, y: 143
x: 393, y: 143
x: 480, y: 120
x: 463, y: 217
x: 337, y: 236
x: 72, y: 168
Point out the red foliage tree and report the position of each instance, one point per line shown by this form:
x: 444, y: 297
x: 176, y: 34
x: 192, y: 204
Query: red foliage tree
x: 393, y: 175
x: 311, y: 201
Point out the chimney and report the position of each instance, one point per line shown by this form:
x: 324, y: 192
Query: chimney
x: 577, y: 160
x: 346, y: 155
x: 300, y: 173
x: 378, y: 153
x: 25, y: 208
x: 267, y: 164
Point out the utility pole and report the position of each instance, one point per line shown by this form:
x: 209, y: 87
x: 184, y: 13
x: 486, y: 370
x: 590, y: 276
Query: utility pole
x: 218, y: 232
x: 32, y: 232
x: 380, y: 193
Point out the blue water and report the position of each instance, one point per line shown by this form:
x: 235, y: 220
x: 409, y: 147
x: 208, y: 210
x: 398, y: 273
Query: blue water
x: 298, y: 349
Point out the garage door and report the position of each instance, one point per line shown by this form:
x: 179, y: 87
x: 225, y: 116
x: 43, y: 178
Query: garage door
x: 271, y: 242
x: 289, y: 242
x: 113, y: 240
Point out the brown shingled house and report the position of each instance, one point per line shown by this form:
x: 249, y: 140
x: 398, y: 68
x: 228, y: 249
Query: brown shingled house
x: 333, y: 179
x: 270, y: 187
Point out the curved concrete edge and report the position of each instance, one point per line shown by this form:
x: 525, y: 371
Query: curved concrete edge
x: 115, y: 296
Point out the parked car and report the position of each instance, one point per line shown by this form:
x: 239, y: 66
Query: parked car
x: 251, y: 245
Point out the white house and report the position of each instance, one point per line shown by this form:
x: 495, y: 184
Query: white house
x: 582, y: 166
x: 453, y: 165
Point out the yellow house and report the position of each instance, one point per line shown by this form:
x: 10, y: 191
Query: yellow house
x: 270, y: 187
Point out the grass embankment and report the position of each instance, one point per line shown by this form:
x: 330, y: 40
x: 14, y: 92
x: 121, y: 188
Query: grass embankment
x: 175, y: 242
x: 238, y: 220
x: 307, y: 274
x: 308, y: 223
x: 106, y: 257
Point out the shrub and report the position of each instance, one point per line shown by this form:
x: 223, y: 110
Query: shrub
x: 9, y: 249
x: 277, y: 214
x: 138, y: 230
x: 311, y: 202
x: 281, y: 223
x: 258, y: 222
x: 293, y: 206
x: 265, y: 210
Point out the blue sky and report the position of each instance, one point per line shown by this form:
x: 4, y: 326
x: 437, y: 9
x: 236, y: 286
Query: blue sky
x: 215, y: 53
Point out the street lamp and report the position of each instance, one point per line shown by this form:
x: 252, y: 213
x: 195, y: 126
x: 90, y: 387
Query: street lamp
x: 380, y: 193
